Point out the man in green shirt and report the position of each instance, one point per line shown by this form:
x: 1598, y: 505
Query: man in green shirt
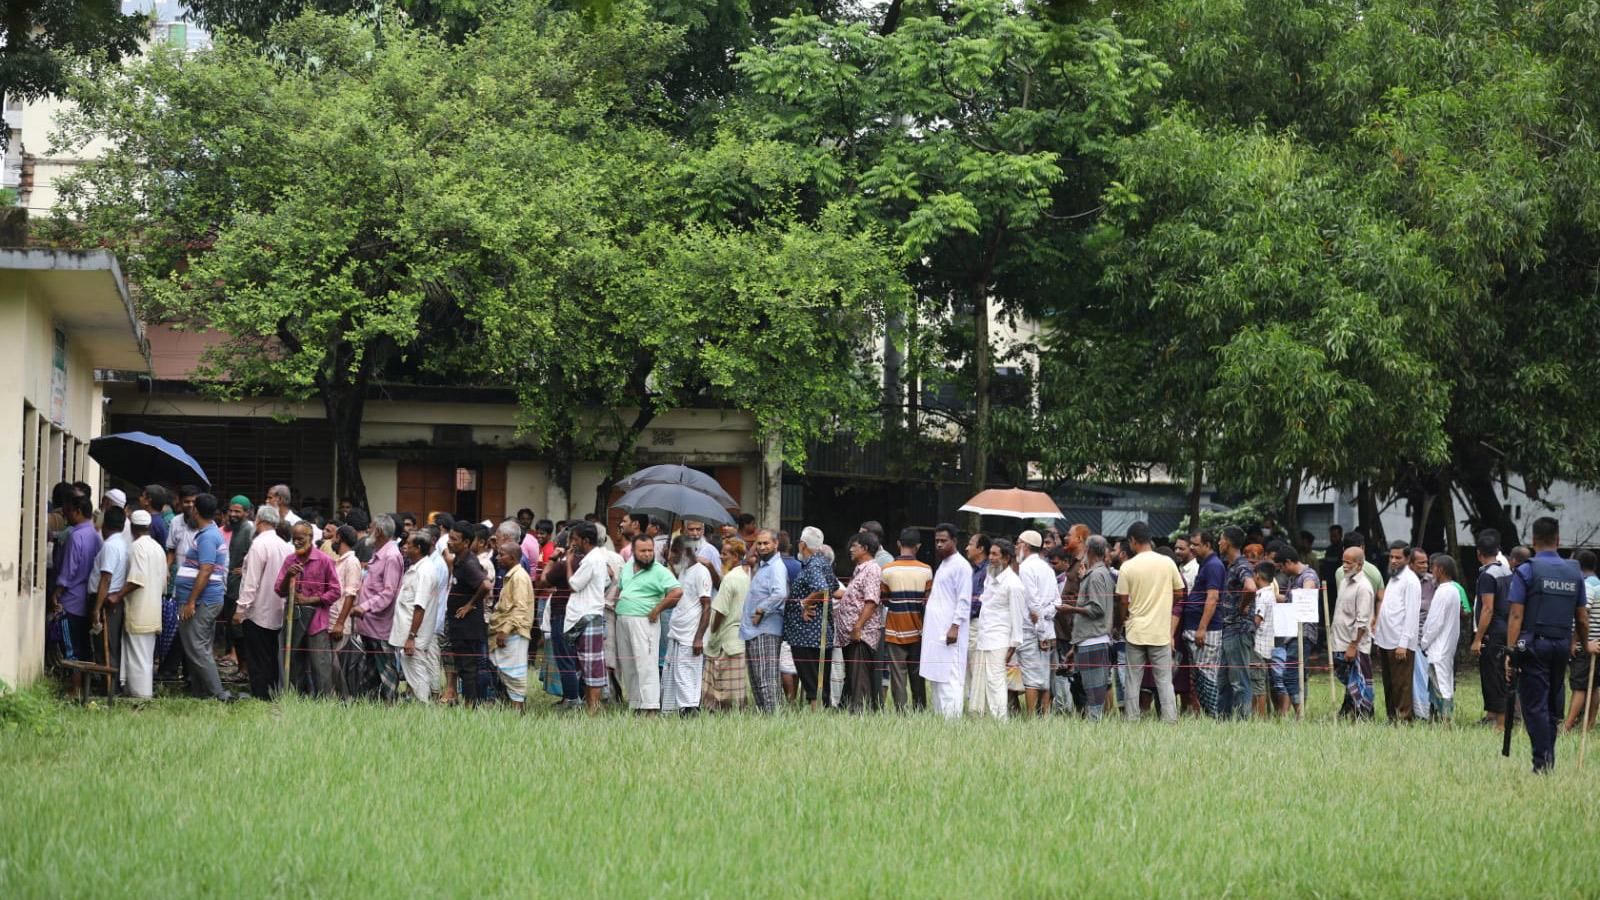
x: 646, y: 589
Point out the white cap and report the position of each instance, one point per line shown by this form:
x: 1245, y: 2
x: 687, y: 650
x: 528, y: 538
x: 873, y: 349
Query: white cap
x: 117, y: 497
x: 141, y: 518
x: 1031, y: 538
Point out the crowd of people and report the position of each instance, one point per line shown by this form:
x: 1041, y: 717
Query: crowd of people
x: 182, y: 586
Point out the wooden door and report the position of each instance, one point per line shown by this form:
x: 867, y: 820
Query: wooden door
x: 425, y: 487
x: 492, y: 491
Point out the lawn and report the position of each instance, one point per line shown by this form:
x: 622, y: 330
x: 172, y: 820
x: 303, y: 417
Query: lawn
x: 317, y: 799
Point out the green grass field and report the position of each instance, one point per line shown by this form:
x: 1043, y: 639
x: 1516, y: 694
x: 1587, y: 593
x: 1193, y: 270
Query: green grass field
x: 317, y: 799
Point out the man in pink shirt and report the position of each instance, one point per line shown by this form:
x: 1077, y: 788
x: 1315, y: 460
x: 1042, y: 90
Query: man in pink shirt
x: 315, y: 585
x: 374, y: 612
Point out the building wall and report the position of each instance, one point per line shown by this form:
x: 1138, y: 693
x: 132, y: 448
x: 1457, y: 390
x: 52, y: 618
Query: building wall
x: 382, y: 483
x: 40, y: 453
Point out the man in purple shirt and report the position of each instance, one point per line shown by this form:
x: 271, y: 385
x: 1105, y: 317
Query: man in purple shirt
x: 71, y: 595
x: 315, y: 587
x: 374, y: 610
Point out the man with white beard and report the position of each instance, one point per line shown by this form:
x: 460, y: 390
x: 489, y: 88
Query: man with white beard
x: 1000, y: 631
x: 682, y: 676
x: 694, y: 539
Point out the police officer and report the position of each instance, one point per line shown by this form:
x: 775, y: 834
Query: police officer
x: 1546, y: 595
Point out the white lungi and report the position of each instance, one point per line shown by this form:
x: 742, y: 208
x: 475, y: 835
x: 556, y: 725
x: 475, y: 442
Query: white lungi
x: 139, y: 664
x: 945, y: 697
x: 1444, y: 677
x: 638, y: 649
x: 1034, y: 663
x: 422, y: 671
x: 987, y: 694
x: 681, y: 679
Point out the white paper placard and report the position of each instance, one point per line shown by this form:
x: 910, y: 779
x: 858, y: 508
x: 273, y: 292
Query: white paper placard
x: 1304, y: 601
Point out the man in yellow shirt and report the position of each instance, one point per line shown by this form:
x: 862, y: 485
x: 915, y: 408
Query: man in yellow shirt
x: 1147, y: 586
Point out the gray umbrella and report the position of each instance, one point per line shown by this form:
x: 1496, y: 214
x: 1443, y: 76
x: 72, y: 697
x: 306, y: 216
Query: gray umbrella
x: 679, y: 500
x: 674, y: 474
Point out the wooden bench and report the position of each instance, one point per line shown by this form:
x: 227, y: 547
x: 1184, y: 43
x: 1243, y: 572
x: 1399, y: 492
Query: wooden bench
x: 90, y: 671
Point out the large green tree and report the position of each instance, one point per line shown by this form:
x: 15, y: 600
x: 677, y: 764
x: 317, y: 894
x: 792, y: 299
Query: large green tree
x: 974, y: 133
x: 1356, y: 249
x: 369, y: 201
x: 306, y: 203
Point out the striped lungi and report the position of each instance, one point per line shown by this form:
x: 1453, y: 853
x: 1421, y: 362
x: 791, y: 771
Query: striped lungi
x: 511, y: 661
x: 726, y: 681
x: 761, y: 662
x: 587, y: 641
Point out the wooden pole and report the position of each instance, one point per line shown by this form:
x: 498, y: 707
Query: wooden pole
x: 288, y: 636
x: 111, y: 676
x: 1300, y: 656
x: 1327, y: 638
x: 1588, y: 698
x: 824, y: 658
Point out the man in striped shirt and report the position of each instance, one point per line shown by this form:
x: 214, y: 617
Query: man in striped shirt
x: 906, y: 581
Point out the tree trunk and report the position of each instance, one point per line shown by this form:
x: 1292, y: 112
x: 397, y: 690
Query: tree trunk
x: 1196, y: 484
x: 1487, y: 509
x: 621, y: 457
x: 345, y: 407
x: 561, y: 458
x: 894, y: 406
x: 1289, y: 525
x: 983, y: 372
x: 1419, y: 519
x: 1447, y: 511
x: 1369, y: 521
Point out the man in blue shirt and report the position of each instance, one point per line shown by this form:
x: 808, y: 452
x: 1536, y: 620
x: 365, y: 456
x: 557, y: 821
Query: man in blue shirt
x: 762, y: 627
x: 1547, y: 594
x: 202, y: 577
x: 1200, y: 620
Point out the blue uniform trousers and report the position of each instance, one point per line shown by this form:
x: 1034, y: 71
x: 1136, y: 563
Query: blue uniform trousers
x: 1542, y: 692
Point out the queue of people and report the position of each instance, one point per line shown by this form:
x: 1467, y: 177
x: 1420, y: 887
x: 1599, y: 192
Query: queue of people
x: 393, y: 607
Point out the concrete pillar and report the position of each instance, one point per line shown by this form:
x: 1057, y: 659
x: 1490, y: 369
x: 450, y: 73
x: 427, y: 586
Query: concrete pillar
x: 771, y: 509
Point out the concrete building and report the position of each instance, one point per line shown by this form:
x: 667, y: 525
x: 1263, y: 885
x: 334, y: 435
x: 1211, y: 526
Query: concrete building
x: 423, y: 449
x: 31, y: 167
x: 64, y: 318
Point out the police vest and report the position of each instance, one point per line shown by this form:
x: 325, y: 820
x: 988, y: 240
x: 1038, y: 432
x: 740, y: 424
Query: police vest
x: 1554, y: 592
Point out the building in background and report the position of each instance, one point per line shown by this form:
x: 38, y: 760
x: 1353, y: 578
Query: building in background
x: 423, y: 448
x: 30, y: 168
x: 65, y: 318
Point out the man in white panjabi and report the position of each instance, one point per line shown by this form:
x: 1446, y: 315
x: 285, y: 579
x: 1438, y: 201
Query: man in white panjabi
x: 415, y: 616
x: 944, y: 626
x: 141, y: 600
x: 999, y: 631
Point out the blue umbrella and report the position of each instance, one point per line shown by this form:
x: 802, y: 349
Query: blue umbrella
x: 144, y: 458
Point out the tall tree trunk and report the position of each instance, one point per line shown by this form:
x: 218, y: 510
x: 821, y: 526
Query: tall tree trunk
x: 622, y: 456
x: 1487, y: 509
x: 1196, y: 485
x: 1290, y: 524
x: 894, y: 406
x: 1447, y: 511
x: 562, y: 453
x: 1419, y: 519
x: 1368, y: 519
x: 345, y: 407
x: 983, y: 373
